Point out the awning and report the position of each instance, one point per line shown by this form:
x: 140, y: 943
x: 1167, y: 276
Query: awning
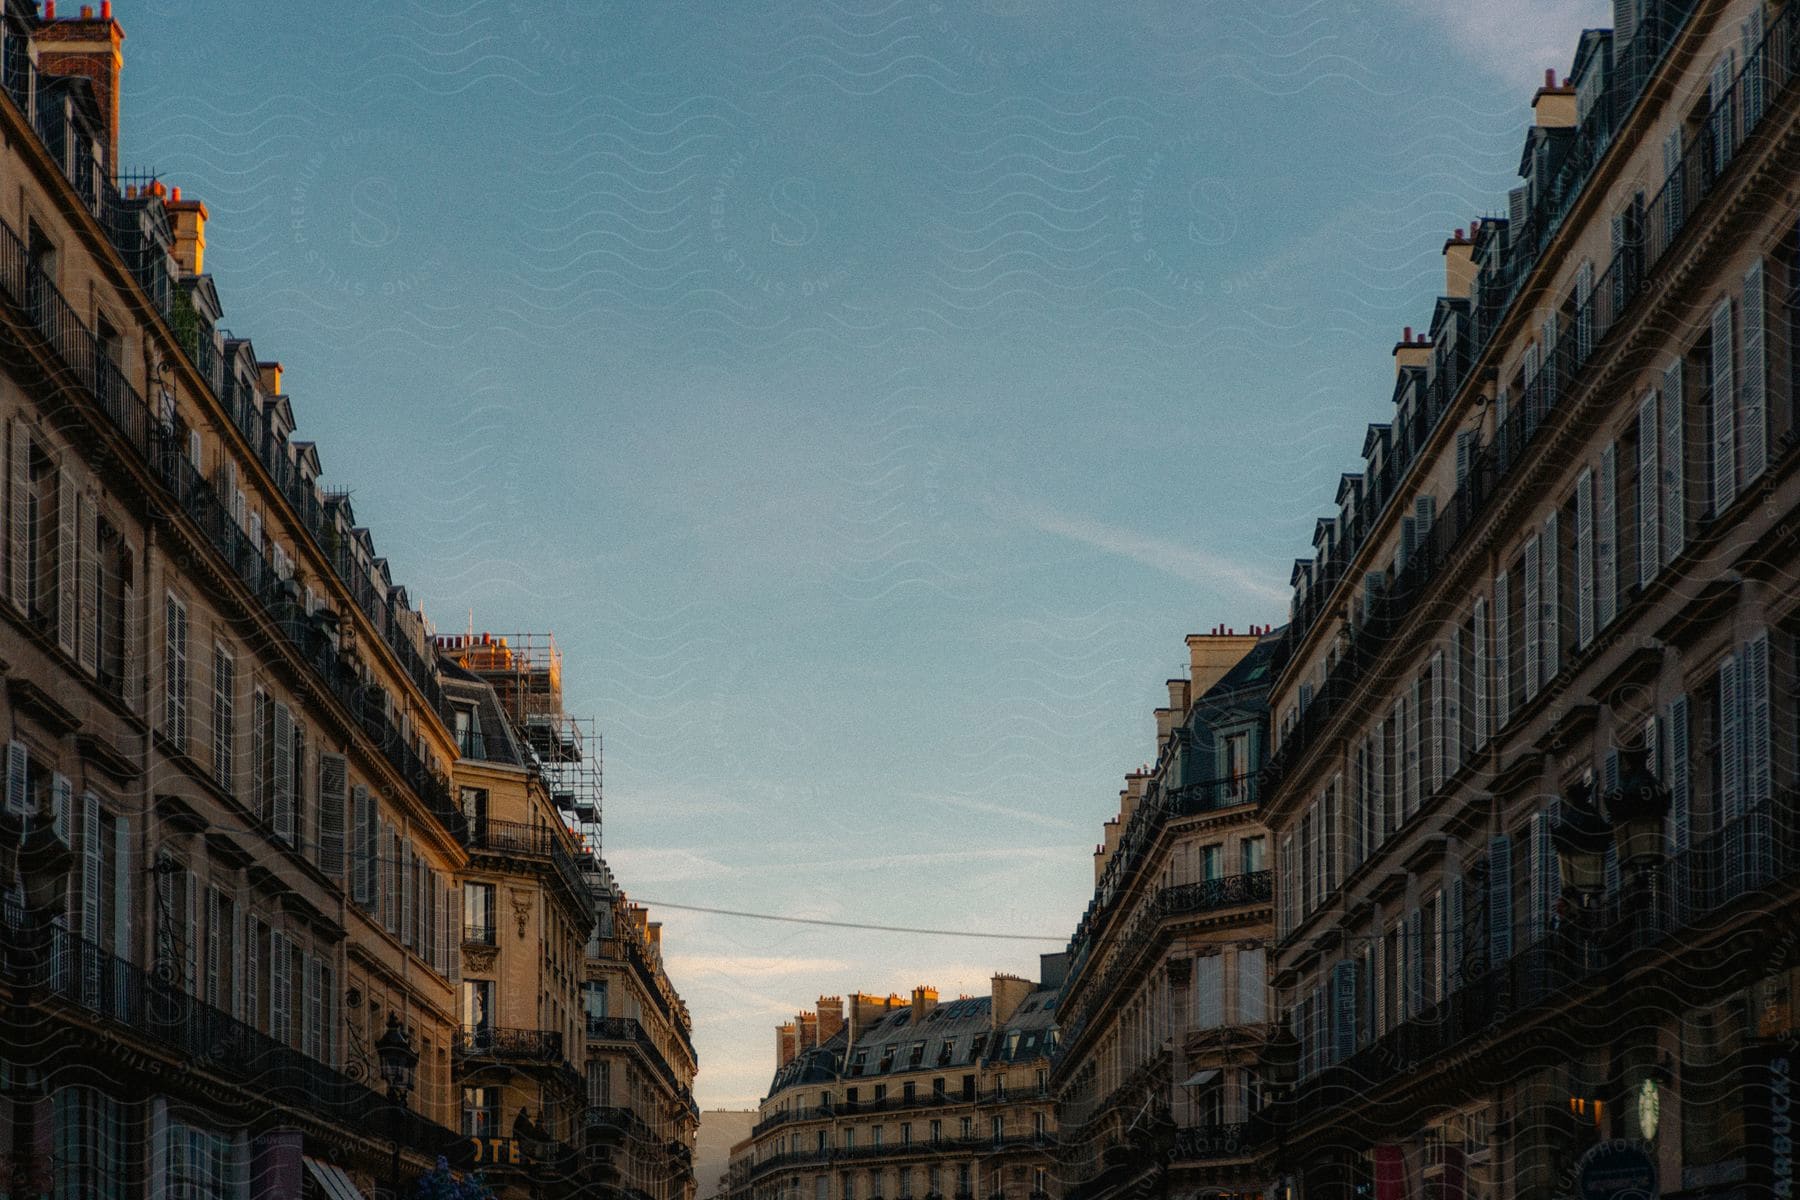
x: 1201, y: 1078
x: 332, y: 1181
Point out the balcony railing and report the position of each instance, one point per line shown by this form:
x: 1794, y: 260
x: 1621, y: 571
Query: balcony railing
x: 629, y: 1029
x: 1183, y: 899
x: 86, y: 982
x: 513, y: 1045
x: 1657, y: 911
x: 162, y: 449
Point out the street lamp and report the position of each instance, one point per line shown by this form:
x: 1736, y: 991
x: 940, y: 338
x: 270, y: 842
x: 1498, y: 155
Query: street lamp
x: 398, y: 1060
x: 32, y: 849
x: 1580, y: 836
x: 1637, y: 808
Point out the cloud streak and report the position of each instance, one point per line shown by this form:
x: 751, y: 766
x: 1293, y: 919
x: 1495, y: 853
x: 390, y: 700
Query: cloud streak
x: 1514, y: 42
x: 1183, y: 562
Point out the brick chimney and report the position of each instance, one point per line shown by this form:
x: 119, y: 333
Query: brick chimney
x: 807, y: 1023
x: 1009, y: 992
x: 87, y: 45
x: 1411, y: 351
x: 1212, y: 655
x: 924, y: 999
x: 1459, y: 264
x: 831, y: 1017
x: 786, y: 1044
x: 187, y: 222
x: 269, y: 376
x: 1554, y: 105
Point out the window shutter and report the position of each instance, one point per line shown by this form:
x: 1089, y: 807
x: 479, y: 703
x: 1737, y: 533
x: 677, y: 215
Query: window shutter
x: 1584, y: 558
x: 1609, y: 783
x: 1415, y: 962
x: 1547, y: 390
x: 190, y: 919
x: 1674, y: 211
x: 1724, y: 416
x: 62, y: 801
x: 328, y: 1009
x: 1680, y: 805
x: 1550, y: 627
x: 1754, y: 67
x: 18, y: 780
x: 125, y: 880
x: 333, y: 779
x: 1453, y: 915
x: 224, y: 722
x: 359, y: 849
x: 390, y: 884
x: 1435, y: 742
x: 1502, y: 654
x: 1758, y: 779
x: 453, y: 930
x: 19, y: 583
x: 407, y: 874
x: 93, y: 857
x: 1719, y: 123
x: 1343, y: 1003
x: 1409, y: 536
x: 1731, y: 741
x: 175, y: 671
x: 1674, y: 468
x: 1499, y: 900
x: 1584, y: 311
x: 1532, y: 613
x: 241, y: 986
x: 1649, y: 484
x: 89, y: 647
x: 1755, y: 415
x: 280, y: 988
x: 282, y: 772
x: 68, y: 576
x: 312, y: 1040
x: 1465, y: 455
x: 1478, y: 659
x: 1378, y: 982
x: 1453, y: 708
x: 214, y: 938
x: 1606, y: 539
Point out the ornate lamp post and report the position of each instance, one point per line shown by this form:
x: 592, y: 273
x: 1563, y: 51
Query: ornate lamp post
x: 42, y: 861
x: 1580, y: 837
x: 398, y: 1061
x: 1637, y: 808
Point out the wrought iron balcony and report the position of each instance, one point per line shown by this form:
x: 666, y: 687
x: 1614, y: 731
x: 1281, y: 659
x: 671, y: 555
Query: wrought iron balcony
x: 1231, y: 891
x: 629, y: 1029
x: 519, y: 839
x: 512, y: 1045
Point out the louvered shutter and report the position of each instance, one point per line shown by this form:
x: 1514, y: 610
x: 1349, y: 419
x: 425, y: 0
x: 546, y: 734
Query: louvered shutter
x: 1674, y: 465
x: 1343, y: 1003
x: 328, y: 1009
x: 1731, y: 745
x: 1757, y: 781
x: 1609, y: 783
x: 1465, y: 455
x: 1502, y: 654
x: 1754, y: 435
x: 125, y: 881
x: 1499, y: 899
x: 282, y: 771
x: 1453, y: 916
x: 224, y: 722
x: 1381, y: 789
x: 1724, y: 416
x: 1753, y: 80
x: 1719, y: 122
x: 313, y: 1037
x: 18, y: 780
x: 175, y: 671
x: 68, y: 573
x: 62, y: 805
x: 359, y: 855
x: 1453, y: 705
x: 406, y: 893
x: 1674, y: 210
x: 333, y: 783
x: 1379, y: 972
x: 1547, y: 389
x: 1680, y: 805
x: 19, y: 582
x: 1534, y: 391
x: 1649, y: 484
x: 1409, y: 537
x: 1478, y: 660
x: 1606, y: 539
x: 281, y: 984
x: 1532, y: 613
x: 241, y: 986
x: 1584, y: 311
x: 390, y: 883
x: 453, y: 929
x: 215, y: 936
x: 1584, y: 558
x: 1435, y: 743
x: 190, y: 920
x: 1550, y: 627
x: 253, y: 1014
x: 89, y: 642
x: 93, y: 859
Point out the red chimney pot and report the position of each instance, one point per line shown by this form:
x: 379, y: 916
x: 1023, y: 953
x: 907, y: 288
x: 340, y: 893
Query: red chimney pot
x: 1549, y: 77
x: 1406, y: 336
x: 175, y: 194
x: 106, y: 10
x: 49, y: 10
x: 87, y: 12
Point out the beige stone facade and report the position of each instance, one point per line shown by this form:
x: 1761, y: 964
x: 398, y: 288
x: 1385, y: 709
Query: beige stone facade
x: 891, y: 1098
x: 1566, y: 570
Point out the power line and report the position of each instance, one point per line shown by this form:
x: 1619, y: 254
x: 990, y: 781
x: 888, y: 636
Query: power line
x: 756, y: 916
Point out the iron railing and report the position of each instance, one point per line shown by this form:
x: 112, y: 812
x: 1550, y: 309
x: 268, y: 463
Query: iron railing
x: 629, y: 1029
x: 516, y: 1045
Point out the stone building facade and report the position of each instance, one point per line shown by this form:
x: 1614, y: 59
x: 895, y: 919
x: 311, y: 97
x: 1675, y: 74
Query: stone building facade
x: 1534, y: 777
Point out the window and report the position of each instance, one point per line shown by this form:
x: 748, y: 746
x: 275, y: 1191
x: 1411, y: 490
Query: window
x: 481, y: 1112
x: 469, y: 742
x: 92, y: 1159
x: 1252, y: 986
x: 599, y: 1083
x: 110, y: 606
x: 1211, y: 862
x: 1236, y: 759
x: 875, y: 1136
x: 478, y: 1013
x: 1254, y: 853
x: 909, y: 1091
x: 175, y: 670
x: 593, y: 1003
x: 937, y: 1137
x: 968, y: 1128
x: 1209, y: 999
x: 906, y: 1133
x: 204, y: 1165
x: 478, y: 913
x: 999, y: 1129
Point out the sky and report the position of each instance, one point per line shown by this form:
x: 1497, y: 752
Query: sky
x: 868, y: 395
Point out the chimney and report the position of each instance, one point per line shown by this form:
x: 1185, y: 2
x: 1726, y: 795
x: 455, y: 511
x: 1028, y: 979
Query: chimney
x: 1165, y: 724
x: 87, y: 45
x: 1211, y: 657
x: 1459, y: 266
x: 1053, y: 969
x: 924, y: 999
x: 1554, y: 106
x: 1009, y: 992
x: 654, y: 929
x: 785, y: 1044
x: 831, y: 1017
x: 1178, y: 698
x: 1411, y: 351
x: 187, y: 220
x: 808, y: 1025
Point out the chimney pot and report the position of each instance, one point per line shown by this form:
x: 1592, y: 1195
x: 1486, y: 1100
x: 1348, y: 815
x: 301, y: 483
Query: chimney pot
x: 49, y: 10
x: 106, y: 10
x: 1549, y: 77
x: 87, y: 12
x: 175, y: 194
x: 1406, y: 336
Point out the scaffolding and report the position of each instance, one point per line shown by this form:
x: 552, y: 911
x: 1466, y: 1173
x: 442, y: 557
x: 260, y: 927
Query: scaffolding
x: 525, y: 671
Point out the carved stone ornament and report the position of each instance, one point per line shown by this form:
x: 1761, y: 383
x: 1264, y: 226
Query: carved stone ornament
x: 521, y: 901
x: 479, y: 959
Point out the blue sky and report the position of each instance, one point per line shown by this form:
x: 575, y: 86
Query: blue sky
x: 868, y: 395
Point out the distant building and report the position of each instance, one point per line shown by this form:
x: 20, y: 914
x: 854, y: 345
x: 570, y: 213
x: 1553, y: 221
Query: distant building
x: 911, y: 1100
x: 1166, y: 1011
x: 720, y: 1130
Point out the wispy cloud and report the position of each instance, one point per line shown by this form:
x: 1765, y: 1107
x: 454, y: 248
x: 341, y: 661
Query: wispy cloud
x: 1515, y: 41
x: 1183, y: 562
